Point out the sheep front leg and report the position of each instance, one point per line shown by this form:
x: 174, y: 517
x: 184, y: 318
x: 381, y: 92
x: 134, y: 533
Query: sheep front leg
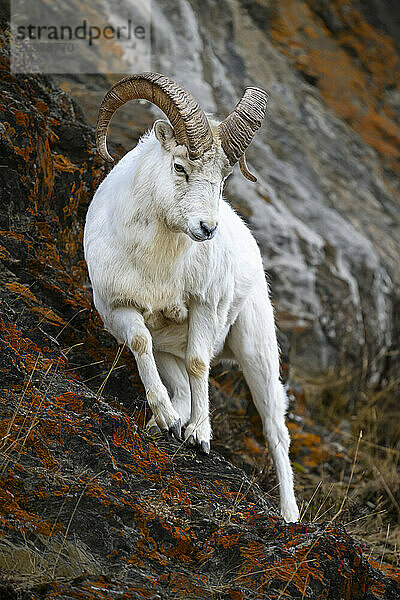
x: 201, y: 337
x: 127, y: 324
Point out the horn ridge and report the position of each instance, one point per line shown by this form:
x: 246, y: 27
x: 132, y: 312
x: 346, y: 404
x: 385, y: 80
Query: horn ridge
x: 183, y: 111
x: 237, y: 130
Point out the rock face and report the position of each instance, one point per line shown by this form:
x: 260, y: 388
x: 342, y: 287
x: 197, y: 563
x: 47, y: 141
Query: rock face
x: 322, y: 198
x: 325, y: 210
x: 325, y: 213
x: 91, y: 507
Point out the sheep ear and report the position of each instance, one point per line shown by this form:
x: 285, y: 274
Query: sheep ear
x: 165, y: 134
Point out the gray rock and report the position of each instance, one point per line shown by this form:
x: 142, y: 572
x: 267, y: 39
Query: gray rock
x: 324, y: 213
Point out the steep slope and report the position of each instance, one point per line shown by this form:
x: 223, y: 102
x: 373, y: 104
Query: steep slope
x: 92, y: 507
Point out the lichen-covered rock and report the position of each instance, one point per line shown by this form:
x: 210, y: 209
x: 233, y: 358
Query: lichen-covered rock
x: 91, y: 506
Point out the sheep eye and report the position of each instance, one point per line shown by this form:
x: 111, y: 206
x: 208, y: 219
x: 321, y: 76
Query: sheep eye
x: 178, y: 168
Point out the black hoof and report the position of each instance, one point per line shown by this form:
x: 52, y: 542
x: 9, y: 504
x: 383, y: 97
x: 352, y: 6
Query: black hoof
x: 175, y: 429
x: 205, y: 447
x: 190, y: 441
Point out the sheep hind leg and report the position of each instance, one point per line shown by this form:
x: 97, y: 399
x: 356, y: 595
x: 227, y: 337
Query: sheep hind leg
x: 173, y: 374
x: 253, y: 342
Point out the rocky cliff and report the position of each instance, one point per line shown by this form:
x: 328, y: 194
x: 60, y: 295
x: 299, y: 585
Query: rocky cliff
x: 90, y: 505
x: 326, y: 208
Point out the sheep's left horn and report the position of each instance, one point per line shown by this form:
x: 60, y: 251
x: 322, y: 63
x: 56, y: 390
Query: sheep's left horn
x: 239, y: 127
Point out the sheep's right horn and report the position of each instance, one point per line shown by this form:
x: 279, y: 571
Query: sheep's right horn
x: 239, y: 127
x: 187, y: 118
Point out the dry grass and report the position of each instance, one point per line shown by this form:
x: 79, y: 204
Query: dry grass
x: 44, y: 560
x: 371, y: 488
x: 348, y: 478
x: 356, y: 483
x: 365, y: 498
x: 39, y: 559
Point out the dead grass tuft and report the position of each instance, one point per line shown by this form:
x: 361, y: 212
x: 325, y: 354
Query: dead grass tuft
x: 340, y: 475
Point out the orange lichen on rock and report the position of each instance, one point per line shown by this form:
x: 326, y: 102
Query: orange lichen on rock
x: 388, y: 569
x: 352, y: 66
x: 15, y: 516
x: 138, y: 517
x: 308, y: 446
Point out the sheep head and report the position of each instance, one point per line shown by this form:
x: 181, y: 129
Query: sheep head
x: 198, y: 153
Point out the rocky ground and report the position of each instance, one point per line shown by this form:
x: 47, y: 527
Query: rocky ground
x: 91, y: 506
x: 325, y: 212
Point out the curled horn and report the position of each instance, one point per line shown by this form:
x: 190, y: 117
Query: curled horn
x: 239, y: 127
x: 190, y: 124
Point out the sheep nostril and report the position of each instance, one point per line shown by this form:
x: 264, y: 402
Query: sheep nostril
x: 206, y: 229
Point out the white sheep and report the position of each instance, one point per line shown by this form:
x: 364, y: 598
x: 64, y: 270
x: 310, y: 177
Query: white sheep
x: 176, y: 274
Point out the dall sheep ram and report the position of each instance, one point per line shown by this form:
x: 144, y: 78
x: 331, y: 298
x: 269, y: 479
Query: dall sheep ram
x: 176, y: 274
